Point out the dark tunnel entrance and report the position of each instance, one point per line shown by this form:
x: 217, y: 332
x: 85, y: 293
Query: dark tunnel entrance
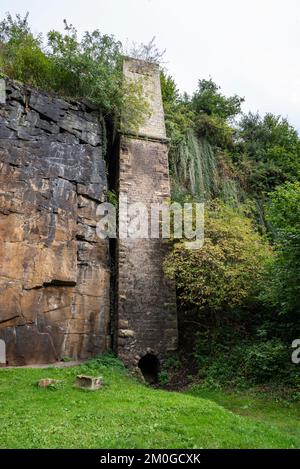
x: 150, y: 367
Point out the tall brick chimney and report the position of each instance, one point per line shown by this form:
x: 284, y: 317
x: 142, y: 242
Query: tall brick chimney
x: 146, y: 303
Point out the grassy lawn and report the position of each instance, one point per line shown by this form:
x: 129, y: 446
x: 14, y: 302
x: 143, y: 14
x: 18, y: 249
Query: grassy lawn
x: 125, y: 414
x: 281, y: 414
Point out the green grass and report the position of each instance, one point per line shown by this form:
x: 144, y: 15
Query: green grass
x: 282, y: 414
x: 124, y: 414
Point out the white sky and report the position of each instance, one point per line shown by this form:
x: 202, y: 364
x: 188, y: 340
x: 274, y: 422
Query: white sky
x: 249, y: 47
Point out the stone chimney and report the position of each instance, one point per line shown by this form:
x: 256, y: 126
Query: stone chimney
x: 146, y: 302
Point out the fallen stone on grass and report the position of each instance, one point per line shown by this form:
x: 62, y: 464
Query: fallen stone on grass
x: 46, y: 382
x: 91, y: 383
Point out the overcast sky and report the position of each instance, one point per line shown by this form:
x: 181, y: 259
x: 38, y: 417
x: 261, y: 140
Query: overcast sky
x: 248, y: 47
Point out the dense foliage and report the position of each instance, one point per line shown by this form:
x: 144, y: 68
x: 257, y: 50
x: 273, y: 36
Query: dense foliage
x: 224, y: 274
x: 283, y: 213
x: 241, y: 291
x: 89, y: 67
x: 270, y: 152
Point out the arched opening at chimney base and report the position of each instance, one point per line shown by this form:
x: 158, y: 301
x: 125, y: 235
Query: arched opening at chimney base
x: 150, y: 368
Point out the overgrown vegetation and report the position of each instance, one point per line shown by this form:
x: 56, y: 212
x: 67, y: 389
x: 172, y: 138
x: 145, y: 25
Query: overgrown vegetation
x: 224, y: 274
x: 242, y: 290
x: 283, y: 214
x: 83, y: 68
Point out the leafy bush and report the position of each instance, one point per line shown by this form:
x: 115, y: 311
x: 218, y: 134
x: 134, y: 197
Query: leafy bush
x: 264, y: 361
x: 224, y: 274
x: 106, y: 360
x: 89, y: 68
x: 163, y: 378
x: 172, y: 363
x: 249, y: 363
x: 21, y: 53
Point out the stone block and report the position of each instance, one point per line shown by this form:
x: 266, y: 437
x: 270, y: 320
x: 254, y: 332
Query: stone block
x: 123, y: 324
x: 46, y: 382
x: 88, y: 382
x: 126, y: 333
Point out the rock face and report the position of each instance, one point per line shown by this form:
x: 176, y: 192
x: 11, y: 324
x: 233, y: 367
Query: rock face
x: 146, y: 309
x: 54, y: 270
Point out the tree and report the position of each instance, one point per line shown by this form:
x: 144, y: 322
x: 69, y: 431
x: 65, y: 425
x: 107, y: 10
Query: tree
x: 214, y: 113
x: 270, y: 149
x: 208, y: 100
x: 21, y: 53
x: 283, y: 213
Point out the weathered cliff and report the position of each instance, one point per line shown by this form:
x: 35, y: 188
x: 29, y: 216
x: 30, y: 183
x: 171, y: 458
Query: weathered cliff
x: 54, y: 270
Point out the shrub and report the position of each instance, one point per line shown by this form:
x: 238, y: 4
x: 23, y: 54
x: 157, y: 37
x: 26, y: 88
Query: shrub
x: 163, y: 378
x: 106, y: 360
x: 224, y: 274
x: 89, y: 68
x: 264, y: 361
x: 250, y: 363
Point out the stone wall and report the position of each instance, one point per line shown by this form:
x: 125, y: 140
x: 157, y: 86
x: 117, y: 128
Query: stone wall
x: 54, y: 271
x: 146, y: 303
